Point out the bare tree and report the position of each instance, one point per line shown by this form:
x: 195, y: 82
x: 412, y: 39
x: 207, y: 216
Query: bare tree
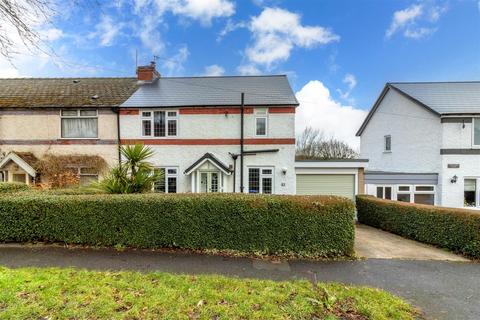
x: 19, y: 20
x: 312, y: 144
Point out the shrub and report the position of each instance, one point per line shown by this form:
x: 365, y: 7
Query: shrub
x: 454, y: 229
x: 7, y: 187
x: 300, y: 226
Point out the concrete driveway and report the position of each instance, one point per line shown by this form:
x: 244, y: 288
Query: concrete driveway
x: 374, y: 243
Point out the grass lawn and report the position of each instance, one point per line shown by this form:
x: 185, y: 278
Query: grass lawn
x: 38, y: 293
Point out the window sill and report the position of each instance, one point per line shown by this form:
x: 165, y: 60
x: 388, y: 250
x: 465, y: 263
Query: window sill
x: 387, y: 151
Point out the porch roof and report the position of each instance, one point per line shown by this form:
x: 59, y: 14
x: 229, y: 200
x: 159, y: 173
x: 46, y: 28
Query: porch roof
x: 212, y: 159
x: 24, y: 160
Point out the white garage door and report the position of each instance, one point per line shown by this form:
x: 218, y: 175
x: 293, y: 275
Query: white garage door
x: 326, y: 184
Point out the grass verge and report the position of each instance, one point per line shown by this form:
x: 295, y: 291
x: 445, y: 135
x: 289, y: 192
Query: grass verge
x: 51, y: 293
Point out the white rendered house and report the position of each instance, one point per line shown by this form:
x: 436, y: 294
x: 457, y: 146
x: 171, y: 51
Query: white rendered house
x: 423, y: 144
x: 206, y: 139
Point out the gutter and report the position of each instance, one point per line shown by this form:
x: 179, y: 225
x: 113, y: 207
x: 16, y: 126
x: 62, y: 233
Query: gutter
x: 242, y: 115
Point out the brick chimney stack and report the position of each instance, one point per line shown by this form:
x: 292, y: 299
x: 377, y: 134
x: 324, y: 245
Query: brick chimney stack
x: 147, y: 73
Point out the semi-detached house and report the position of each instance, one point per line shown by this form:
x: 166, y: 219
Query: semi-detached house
x: 208, y: 134
x: 197, y: 127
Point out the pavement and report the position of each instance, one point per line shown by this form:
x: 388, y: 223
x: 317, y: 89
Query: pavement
x: 374, y: 243
x: 441, y: 289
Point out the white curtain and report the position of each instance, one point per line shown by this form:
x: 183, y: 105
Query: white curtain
x: 79, y: 128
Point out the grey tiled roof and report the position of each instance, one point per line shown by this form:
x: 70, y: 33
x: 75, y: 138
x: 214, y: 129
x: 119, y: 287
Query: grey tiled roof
x: 65, y: 92
x: 444, y: 97
x: 213, y: 91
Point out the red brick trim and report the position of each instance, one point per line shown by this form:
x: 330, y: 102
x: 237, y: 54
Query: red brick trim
x: 251, y: 141
x: 129, y: 112
x: 203, y: 110
x: 281, y: 110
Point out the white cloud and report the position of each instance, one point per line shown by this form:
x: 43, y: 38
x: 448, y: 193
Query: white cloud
x: 174, y: 64
x: 248, y: 70
x: 418, y: 33
x: 415, y: 21
x: 319, y: 110
x: 229, y: 27
x: 402, y: 18
x: 106, y: 30
x: 351, y: 83
x: 51, y: 34
x: 214, y: 70
x: 277, y: 31
x: 201, y: 10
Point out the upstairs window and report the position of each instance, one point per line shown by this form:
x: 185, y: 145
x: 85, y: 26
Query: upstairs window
x: 387, y: 143
x: 79, y: 123
x: 261, y: 122
x: 476, y: 132
x: 159, y: 123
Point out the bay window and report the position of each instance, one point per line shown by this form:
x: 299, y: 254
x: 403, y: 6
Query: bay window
x: 260, y: 180
x: 79, y: 123
x: 159, y: 123
x: 167, y: 182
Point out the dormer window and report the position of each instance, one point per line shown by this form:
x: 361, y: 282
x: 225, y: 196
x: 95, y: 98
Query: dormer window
x: 387, y: 143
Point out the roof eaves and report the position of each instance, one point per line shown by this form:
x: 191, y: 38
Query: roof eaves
x: 372, y: 111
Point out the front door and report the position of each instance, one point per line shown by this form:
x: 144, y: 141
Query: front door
x: 209, y: 181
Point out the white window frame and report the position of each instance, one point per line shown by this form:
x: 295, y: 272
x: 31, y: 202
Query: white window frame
x: 474, y: 120
x: 383, y: 191
x: 166, y: 176
x: 151, y: 118
x: 412, y: 191
x: 385, y: 143
x: 261, y: 176
x: 477, y: 192
x: 77, y: 116
x: 261, y: 113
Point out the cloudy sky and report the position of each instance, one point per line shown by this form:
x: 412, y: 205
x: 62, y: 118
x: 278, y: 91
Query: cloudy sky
x: 338, y: 54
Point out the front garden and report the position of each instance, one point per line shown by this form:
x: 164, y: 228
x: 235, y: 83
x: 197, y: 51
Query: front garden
x: 34, y: 293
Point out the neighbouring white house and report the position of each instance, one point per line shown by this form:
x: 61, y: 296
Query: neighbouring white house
x: 423, y: 144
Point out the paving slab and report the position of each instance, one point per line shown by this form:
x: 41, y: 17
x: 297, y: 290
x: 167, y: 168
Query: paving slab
x: 375, y: 243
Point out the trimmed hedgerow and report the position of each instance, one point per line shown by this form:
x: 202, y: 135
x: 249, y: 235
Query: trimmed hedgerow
x: 454, y: 229
x: 8, y: 187
x: 280, y: 225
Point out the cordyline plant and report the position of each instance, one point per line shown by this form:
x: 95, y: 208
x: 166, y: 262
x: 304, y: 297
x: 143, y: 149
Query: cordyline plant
x: 134, y: 175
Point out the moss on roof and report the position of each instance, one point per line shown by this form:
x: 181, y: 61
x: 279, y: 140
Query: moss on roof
x: 65, y: 92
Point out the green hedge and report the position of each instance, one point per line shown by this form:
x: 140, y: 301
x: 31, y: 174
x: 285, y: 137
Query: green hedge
x: 454, y: 229
x: 8, y: 187
x: 280, y: 225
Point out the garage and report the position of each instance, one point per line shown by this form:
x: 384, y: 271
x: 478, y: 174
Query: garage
x: 330, y: 177
x: 327, y: 184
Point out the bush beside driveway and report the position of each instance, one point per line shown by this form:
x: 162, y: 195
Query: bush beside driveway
x: 454, y: 229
